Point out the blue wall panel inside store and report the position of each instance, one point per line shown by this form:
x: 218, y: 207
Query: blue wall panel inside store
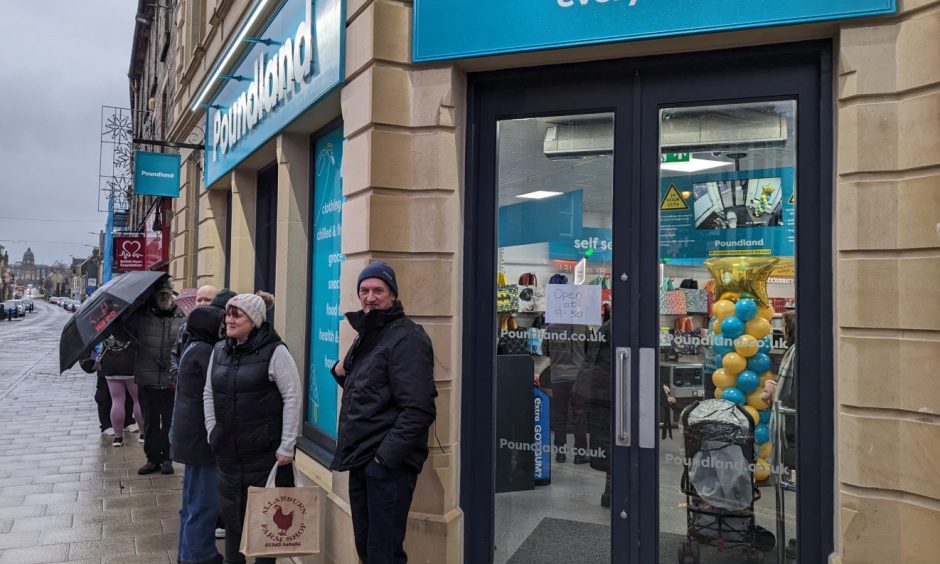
x: 452, y: 29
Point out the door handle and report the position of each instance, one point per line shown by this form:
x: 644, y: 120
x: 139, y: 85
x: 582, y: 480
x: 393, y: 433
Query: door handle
x: 622, y: 397
x: 649, y: 395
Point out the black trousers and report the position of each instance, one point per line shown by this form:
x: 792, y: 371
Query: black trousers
x: 566, y: 418
x: 380, y: 499
x: 156, y: 405
x: 233, y: 498
x: 103, y: 400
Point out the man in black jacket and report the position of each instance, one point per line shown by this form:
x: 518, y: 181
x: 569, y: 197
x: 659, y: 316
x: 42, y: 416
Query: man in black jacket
x: 387, y: 378
x: 153, y: 329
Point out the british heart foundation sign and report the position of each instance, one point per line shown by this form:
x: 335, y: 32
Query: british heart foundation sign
x: 129, y: 253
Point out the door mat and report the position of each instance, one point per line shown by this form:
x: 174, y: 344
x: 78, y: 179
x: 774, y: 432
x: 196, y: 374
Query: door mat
x: 563, y: 541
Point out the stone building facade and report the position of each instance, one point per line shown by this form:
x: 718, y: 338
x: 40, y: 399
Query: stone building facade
x: 405, y: 200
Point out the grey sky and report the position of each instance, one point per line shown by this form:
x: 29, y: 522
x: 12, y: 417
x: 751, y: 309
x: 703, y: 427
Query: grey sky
x: 61, y: 61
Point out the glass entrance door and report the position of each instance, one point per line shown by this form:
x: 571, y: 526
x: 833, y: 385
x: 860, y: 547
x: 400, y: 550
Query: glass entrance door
x: 552, y: 383
x: 727, y: 332
x: 630, y: 368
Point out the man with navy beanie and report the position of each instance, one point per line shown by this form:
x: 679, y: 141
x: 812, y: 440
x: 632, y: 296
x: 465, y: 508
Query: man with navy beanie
x: 387, y: 409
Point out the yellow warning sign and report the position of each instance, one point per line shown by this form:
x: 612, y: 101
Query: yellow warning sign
x: 792, y: 199
x: 673, y: 200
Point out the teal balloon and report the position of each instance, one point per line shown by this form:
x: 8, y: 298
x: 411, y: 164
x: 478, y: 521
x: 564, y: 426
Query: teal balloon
x: 733, y: 395
x: 732, y: 327
x: 761, y: 433
x: 764, y: 416
x: 747, y: 381
x: 745, y: 309
x: 764, y: 345
x: 722, y: 349
x: 759, y: 363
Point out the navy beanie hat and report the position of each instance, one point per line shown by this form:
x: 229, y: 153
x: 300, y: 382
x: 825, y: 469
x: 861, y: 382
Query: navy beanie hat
x: 382, y: 271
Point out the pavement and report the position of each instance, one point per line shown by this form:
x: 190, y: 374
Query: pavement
x: 66, y: 495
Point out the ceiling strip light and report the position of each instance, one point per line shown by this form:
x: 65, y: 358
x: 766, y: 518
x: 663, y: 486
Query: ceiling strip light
x: 228, y: 55
x: 539, y: 195
x: 693, y: 165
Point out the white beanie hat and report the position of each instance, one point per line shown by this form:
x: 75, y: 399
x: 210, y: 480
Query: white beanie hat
x: 251, y: 305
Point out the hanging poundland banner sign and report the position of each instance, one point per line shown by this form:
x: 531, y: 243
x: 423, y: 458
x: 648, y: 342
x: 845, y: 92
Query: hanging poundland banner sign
x: 295, y: 60
x: 156, y: 174
x: 453, y: 29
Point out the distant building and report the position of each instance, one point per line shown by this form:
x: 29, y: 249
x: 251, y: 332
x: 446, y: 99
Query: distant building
x: 28, y: 272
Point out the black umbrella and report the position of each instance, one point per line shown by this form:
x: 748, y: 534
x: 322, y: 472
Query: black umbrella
x: 115, y: 300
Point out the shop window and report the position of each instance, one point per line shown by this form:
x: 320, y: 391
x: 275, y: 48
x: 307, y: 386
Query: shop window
x: 266, y: 229
x: 320, y: 417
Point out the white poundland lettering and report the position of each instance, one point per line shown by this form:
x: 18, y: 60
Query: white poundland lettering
x: 570, y: 3
x: 275, y: 80
x: 157, y: 174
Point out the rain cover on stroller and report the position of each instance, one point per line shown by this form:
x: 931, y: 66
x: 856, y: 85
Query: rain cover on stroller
x: 718, y: 470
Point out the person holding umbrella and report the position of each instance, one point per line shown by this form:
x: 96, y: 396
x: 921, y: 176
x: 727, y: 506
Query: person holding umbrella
x: 153, y: 329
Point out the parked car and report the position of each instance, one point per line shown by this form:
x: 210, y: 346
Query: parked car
x: 28, y: 305
x: 72, y: 305
x: 53, y: 299
x: 20, y: 309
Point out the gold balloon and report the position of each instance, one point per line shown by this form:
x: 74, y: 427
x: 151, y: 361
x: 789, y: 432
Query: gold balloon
x: 718, y: 393
x: 733, y: 363
x: 766, y: 451
x: 722, y: 309
x: 757, y: 327
x: 746, y: 345
x: 722, y: 379
x: 761, y: 470
x: 766, y: 312
x: 766, y: 376
x: 755, y: 415
x: 754, y: 399
x: 743, y: 274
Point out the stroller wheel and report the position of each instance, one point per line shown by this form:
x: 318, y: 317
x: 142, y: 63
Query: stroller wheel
x: 750, y: 556
x: 689, y: 552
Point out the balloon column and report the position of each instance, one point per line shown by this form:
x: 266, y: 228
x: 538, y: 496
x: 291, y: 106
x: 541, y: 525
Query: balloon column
x: 740, y: 335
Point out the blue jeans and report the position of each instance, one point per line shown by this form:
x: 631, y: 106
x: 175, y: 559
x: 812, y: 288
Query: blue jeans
x: 199, y: 514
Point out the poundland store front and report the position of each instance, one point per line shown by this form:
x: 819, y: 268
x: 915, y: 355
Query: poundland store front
x: 649, y: 227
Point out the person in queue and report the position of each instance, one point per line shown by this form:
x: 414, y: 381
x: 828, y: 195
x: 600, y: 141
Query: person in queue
x: 204, y: 296
x: 386, y: 413
x: 252, y: 406
x: 153, y: 329
x: 190, y: 446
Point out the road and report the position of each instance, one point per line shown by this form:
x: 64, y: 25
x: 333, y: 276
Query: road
x: 65, y: 494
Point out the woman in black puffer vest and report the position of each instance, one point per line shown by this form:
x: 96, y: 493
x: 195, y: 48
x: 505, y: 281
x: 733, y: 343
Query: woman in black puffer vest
x: 189, y: 444
x: 252, y: 402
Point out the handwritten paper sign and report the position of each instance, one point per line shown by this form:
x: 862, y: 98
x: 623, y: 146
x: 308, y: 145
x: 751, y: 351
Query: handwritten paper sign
x: 577, y: 305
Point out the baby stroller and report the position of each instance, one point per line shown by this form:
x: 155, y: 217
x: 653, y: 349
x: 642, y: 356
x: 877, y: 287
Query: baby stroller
x: 718, y: 481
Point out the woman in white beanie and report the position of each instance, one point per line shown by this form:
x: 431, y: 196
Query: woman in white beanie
x: 252, y: 402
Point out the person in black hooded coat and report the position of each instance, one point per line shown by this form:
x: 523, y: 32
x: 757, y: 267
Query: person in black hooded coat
x: 189, y: 444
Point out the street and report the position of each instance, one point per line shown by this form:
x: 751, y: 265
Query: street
x: 66, y: 495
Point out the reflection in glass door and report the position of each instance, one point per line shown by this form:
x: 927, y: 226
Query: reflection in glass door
x: 727, y: 322
x: 553, y: 353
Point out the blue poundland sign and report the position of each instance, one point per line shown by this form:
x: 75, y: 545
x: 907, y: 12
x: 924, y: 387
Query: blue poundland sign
x: 156, y: 174
x: 453, y: 29
x: 295, y: 60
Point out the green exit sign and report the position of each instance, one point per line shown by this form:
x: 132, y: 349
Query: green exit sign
x: 675, y: 157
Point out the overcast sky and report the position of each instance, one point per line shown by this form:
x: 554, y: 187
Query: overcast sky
x: 61, y: 61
